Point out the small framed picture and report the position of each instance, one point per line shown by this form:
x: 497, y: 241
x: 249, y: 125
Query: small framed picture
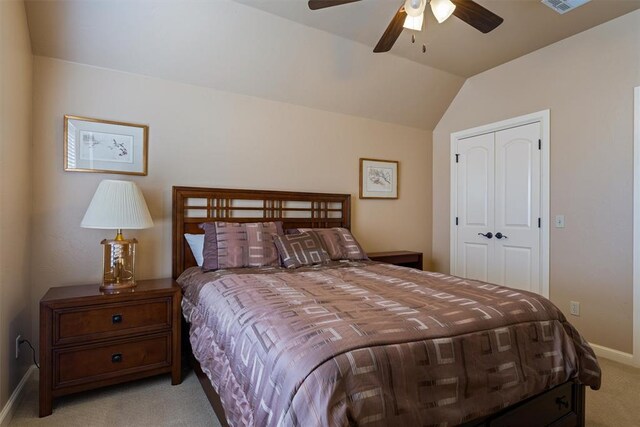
x: 93, y: 145
x: 378, y: 179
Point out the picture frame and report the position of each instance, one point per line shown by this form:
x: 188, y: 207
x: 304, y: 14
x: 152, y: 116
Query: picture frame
x: 379, y: 179
x: 105, y: 146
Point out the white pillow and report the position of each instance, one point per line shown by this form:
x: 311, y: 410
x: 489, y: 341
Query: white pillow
x: 196, y: 243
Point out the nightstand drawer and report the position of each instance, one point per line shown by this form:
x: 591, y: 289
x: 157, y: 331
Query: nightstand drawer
x: 110, y: 320
x: 78, y: 365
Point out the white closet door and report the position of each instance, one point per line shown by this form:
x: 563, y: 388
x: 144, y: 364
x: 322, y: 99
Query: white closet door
x: 475, y: 207
x: 517, y: 208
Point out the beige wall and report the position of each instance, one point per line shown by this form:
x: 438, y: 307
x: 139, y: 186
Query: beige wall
x: 229, y: 46
x: 587, y: 82
x: 16, y: 65
x: 206, y: 137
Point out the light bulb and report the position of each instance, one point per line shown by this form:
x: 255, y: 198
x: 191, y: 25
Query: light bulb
x: 415, y: 7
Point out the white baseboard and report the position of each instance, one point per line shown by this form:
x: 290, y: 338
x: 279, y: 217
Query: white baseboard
x: 12, y: 404
x: 615, y: 355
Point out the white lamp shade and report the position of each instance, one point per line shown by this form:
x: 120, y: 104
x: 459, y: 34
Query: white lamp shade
x: 413, y: 22
x: 117, y: 205
x: 442, y: 9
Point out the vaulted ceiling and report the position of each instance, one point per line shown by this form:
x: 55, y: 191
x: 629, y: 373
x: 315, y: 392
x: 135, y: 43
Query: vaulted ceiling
x: 454, y: 46
x: 280, y: 50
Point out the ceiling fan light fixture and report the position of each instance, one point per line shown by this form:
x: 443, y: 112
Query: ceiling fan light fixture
x: 413, y: 22
x: 442, y: 9
x: 415, y: 8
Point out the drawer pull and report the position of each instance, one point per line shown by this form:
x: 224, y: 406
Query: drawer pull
x: 116, y: 318
x: 116, y: 358
x: 562, y: 402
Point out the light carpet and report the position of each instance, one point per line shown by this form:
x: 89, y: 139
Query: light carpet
x: 148, y: 402
x: 155, y: 402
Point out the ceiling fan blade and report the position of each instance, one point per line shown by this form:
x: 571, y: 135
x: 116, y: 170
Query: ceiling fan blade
x: 321, y: 4
x: 392, y: 32
x: 477, y: 16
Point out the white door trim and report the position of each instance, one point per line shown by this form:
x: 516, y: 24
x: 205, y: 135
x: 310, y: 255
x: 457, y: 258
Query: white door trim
x: 636, y: 228
x: 544, y: 118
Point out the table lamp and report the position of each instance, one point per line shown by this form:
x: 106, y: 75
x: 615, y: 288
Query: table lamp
x: 118, y: 205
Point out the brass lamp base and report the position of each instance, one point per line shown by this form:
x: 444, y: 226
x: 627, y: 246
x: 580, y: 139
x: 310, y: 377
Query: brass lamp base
x: 115, y: 288
x: 118, y: 264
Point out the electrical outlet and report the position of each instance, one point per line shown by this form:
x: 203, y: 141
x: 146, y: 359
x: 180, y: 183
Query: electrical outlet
x: 574, y: 308
x: 18, y: 340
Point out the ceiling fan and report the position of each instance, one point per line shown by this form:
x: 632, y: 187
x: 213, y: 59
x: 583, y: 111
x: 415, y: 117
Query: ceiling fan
x: 411, y: 14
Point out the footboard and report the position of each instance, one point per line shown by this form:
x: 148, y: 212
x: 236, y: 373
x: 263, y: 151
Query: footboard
x: 562, y: 406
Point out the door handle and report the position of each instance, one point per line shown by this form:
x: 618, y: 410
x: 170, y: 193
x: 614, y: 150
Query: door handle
x: 488, y: 235
x: 499, y: 235
x: 562, y: 402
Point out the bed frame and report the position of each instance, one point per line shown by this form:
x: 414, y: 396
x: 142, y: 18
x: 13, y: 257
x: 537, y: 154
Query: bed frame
x: 563, y: 405
x: 193, y: 206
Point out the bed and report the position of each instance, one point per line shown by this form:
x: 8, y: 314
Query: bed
x: 365, y: 343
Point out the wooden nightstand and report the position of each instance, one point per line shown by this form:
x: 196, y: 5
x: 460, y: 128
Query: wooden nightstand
x: 90, y: 340
x: 403, y: 258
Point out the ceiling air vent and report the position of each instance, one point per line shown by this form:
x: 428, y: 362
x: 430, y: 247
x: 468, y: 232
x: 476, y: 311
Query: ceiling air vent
x: 564, y: 6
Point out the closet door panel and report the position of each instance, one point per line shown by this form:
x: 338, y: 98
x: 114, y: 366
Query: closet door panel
x: 517, y: 208
x: 475, y: 207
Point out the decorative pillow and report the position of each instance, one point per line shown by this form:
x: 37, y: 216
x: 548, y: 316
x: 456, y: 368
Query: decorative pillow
x: 210, y: 247
x: 300, y: 249
x: 233, y: 245
x: 196, y: 243
x: 339, y: 243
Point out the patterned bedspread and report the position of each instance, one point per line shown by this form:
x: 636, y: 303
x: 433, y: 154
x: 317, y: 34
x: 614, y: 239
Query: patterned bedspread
x: 363, y: 343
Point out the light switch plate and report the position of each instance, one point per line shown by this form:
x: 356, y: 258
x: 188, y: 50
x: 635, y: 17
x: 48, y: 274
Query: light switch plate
x: 559, y: 221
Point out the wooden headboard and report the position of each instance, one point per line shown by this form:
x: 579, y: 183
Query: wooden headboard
x: 193, y: 206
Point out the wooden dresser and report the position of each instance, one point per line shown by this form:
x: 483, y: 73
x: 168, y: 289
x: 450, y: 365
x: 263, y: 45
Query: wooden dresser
x: 90, y: 340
